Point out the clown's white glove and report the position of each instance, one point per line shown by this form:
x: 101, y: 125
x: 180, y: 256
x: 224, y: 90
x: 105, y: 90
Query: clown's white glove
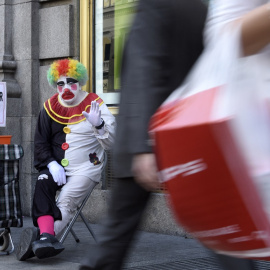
x: 94, y: 116
x: 58, y: 173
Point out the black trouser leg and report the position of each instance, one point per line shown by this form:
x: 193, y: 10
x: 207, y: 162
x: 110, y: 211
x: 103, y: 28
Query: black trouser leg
x: 126, y: 206
x: 44, y: 198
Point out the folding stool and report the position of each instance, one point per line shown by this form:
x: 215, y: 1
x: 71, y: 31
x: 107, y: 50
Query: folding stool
x: 79, y: 213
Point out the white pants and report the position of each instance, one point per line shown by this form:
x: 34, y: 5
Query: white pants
x: 71, y: 196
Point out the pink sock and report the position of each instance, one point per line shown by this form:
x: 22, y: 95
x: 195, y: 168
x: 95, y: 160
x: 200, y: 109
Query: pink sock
x: 46, y: 224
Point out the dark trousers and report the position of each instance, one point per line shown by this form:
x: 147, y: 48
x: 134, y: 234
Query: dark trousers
x: 126, y: 206
x: 44, y: 198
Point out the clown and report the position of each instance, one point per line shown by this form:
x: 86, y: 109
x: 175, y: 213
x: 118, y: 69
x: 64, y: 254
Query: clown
x: 72, y: 127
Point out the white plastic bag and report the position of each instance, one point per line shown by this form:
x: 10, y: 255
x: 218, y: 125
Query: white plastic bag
x: 246, y: 98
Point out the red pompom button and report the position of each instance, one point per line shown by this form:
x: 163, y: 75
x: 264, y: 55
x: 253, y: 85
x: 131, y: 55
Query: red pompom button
x: 65, y: 146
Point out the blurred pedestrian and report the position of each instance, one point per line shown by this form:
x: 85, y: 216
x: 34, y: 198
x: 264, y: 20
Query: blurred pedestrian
x: 164, y: 42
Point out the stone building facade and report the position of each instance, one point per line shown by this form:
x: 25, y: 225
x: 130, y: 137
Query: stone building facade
x: 33, y: 34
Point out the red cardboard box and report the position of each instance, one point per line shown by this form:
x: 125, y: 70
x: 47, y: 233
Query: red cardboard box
x: 211, y: 192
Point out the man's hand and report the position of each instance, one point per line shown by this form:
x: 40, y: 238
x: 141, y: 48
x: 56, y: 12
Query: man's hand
x: 58, y: 173
x: 94, y: 116
x: 144, y: 169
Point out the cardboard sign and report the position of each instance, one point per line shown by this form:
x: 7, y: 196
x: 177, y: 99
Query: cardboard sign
x: 3, y: 104
x: 211, y: 191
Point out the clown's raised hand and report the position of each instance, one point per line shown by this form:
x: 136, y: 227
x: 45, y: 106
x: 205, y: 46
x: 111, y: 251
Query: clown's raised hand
x: 94, y: 117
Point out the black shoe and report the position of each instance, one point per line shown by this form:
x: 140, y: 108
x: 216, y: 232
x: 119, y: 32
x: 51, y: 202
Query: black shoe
x: 24, y: 248
x: 47, y: 246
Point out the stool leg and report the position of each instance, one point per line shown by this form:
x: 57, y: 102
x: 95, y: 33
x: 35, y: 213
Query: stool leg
x: 68, y: 229
x: 4, y: 239
x: 10, y: 242
x: 88, y: 227
x: 70, y: 225
x: 75, y: 236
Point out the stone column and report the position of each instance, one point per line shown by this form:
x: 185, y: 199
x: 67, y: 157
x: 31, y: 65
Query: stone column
x: 7, y: 64
x: 25, y: 39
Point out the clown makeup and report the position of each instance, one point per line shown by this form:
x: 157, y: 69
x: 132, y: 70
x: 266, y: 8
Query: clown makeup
x: 70, y: 81
x: 69, y: 90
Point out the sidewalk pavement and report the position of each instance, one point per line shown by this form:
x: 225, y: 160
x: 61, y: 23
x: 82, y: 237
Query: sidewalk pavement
x: 151, y: 251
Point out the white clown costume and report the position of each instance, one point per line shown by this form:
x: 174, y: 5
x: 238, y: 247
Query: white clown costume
x: 73, y: 130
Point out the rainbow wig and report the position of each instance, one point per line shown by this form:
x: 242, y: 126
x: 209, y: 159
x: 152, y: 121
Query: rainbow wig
x: 69, y: 68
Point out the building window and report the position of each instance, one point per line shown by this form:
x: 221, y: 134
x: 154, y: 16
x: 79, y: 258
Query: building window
x: 112, y: 22
x: 112, y: 19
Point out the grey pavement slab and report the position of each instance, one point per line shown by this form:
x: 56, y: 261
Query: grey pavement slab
x: 150, y: 251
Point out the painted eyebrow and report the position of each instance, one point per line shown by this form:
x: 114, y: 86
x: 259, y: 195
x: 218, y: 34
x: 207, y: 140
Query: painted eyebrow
x: 71, y: 80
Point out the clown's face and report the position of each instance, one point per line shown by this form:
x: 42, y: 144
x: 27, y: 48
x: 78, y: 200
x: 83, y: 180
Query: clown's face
x: 69, y: 90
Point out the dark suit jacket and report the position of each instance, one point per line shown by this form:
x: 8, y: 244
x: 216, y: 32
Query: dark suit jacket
x: 164, y: 42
